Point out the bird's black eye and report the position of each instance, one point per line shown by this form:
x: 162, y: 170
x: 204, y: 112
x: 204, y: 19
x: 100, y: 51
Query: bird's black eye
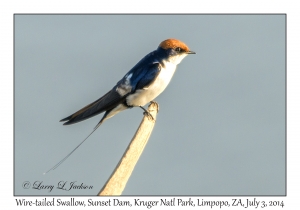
x: 178, y: 49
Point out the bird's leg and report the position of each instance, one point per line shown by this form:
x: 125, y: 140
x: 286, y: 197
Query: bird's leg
x: 147, y: 113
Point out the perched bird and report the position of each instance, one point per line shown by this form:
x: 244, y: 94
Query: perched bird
x: 142, y: 84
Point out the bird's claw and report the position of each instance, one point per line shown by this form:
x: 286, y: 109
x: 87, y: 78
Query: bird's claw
x: 149, y: 115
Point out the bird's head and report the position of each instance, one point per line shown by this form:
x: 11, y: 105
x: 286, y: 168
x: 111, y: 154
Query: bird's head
x: 176, y: 49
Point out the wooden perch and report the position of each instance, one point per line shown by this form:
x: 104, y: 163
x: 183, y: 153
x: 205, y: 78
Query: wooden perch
x: 118, y: 179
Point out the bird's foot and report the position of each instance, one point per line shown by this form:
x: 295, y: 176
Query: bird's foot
x: 149, y: 115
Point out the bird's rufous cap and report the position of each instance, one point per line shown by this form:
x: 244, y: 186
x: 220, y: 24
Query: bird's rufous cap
x: 174, y: 43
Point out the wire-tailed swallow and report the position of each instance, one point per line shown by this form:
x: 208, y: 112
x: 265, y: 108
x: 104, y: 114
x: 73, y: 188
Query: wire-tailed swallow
x: 142, y: 84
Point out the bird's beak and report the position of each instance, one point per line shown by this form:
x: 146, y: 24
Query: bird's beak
x: 191, y: 52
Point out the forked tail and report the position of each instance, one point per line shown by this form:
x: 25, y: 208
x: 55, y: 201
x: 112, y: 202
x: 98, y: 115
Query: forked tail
x: 60, y: 162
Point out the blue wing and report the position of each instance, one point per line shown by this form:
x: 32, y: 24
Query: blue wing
x: 139, y: 77
x: 107, y: 102
x: 149, y: 76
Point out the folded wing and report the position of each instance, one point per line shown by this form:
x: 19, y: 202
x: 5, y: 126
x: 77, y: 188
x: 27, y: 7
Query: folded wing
x: 106, y: 102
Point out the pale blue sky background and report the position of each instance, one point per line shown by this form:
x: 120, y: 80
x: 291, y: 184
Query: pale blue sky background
x: 221, y: 125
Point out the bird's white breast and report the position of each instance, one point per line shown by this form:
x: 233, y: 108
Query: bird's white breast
x: 144, y: 96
